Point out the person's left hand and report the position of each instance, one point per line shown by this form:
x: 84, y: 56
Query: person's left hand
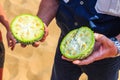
x: 104, y: 48
x: 10, y: 40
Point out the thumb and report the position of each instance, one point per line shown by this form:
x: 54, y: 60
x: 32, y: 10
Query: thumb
x: 100, y: 38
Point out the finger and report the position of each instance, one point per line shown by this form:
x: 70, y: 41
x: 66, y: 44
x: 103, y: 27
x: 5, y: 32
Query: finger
x: 64, y: 58
x: 45, y: 34
x: 9, y: 43
x: 100, y: 38
x: 23, y: 45
x: 13, y: 45
x: 46, y: 31
x: 43, y: 39
x: 103, y: 40
x: 12, y: 48
x: 36, y: 44
x: 84, y: 62
x: 90, y: 59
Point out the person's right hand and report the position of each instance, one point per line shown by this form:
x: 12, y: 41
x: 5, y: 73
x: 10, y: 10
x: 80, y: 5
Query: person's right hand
x: 36, y: 44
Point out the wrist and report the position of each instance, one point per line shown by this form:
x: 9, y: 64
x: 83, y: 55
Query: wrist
x: 5, y: 22
x: 117, y: 44
x: 43, y: 19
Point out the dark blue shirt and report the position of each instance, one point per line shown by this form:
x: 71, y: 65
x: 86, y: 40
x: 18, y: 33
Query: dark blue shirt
x: 73, y: 14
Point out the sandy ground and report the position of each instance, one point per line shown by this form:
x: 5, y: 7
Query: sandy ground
x: 29, y: 63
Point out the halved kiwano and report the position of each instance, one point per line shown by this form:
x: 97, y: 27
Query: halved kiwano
x: 27, y: 28
x: 78, y: 43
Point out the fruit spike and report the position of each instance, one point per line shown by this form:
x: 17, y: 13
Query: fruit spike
x: 27, y: 28
x: 78, y: 43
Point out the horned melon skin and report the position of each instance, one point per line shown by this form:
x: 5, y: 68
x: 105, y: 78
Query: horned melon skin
x: 27, y: 28
x: 70, y: 45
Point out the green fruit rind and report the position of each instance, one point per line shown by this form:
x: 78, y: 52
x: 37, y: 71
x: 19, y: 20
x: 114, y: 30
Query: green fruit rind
x: 78, y: 43
x: 27, y: 28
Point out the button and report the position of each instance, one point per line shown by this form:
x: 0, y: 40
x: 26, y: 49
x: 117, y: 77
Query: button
x: 75, y: 23
x: 81, y: 2
x: 66, y: 1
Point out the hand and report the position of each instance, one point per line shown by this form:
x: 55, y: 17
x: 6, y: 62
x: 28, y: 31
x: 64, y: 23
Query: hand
x: 104, y: 48
x: 10, y: 40
x: 36, y: 44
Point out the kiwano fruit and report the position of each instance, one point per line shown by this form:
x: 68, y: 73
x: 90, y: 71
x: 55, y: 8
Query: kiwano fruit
x: 78, y: 43
x: 27, y: 28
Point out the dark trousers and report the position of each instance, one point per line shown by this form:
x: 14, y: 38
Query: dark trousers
x: 2, y: 54
x: 2, y: 57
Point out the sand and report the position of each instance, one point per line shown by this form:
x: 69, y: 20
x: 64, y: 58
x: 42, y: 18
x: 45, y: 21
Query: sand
x: 29, y: 63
